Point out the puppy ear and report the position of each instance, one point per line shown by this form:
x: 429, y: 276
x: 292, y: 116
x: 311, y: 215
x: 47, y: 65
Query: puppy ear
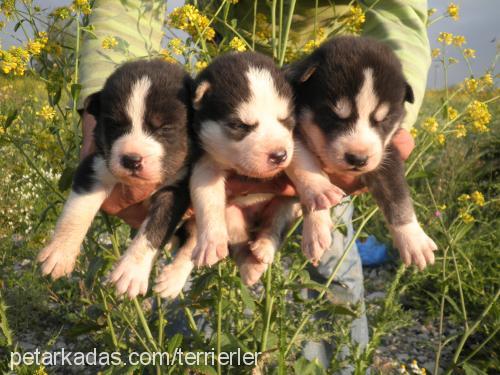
x: 409, y: 97
x: 92, y: 104
x: 301, y: 71
x: 200, y: 91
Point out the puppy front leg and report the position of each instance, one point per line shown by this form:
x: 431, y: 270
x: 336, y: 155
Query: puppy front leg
x: 278, y: 216
x: 390, y: 190
x: 174, y: 276
x: 316, y: 234
x: 91, y: 185
x: 315, y: 190
x: 131, y: 274
x: 208, y: 196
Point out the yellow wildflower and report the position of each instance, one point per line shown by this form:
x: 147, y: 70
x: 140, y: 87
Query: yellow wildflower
x: 460, y: 131
x: 431, y: 125
x: 441, y: 207
x: 82, y: 6
x: 441, y: 139
x: 200, y: 65
x: 453, y: 11
x: 446, y: 38
x: 47, y: 113
x: 34, y: 47
x: 453, y: 60
x: 166, y: 55
x: 452, y: 113
x: 471, y: 84
x: 478, y: 198
x: 414, y: 132
x: 14, y: 61
x: 435, y: 53
x: 237, y: 44
x: 177, y: 46
x: 189, y: 19
x: 61, y: 13
x: 109, y: 42
x: 431, y: 11
x: 470, y: 53
x: 40, y: 371
x: 479, y: 115
x: 355, y: 19
x: 464, y: 198
x: 458, y: 40
x: 487, y: 79
x: 7, y: 7
x: 312, y: 44
x: 466, y: 217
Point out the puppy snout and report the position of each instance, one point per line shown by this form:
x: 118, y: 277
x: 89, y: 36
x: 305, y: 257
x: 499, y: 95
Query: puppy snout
x: 278, y: 157
x: 356, y: 160
x: 132, y: 162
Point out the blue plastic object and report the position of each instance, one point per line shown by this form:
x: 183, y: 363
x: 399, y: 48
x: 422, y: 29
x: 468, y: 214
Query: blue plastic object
x: 372, y: 252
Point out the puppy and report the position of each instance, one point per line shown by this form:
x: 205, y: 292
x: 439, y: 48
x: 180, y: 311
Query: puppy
x: 142, y: 137
x: 243, y: 118
x: 350, y: 96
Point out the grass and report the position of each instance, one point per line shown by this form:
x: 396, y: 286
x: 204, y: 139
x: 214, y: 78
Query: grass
x: 219, y: 312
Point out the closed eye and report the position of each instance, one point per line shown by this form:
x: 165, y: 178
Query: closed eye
x: 239, y: 125
x: 288, y: 122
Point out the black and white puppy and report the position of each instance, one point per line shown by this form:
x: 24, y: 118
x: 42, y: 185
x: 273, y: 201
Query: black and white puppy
x: 142, y: 136
x: 350, y: 96
x: 244, y: 119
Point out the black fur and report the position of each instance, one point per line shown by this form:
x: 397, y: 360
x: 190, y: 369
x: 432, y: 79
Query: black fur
x: 167, y: 118
x: 335, y: 70
x: 229, y: 88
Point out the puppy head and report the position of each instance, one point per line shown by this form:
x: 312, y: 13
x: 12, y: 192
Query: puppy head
x: 350, y: 98
x: 244, y: 114
x: 142, y: 115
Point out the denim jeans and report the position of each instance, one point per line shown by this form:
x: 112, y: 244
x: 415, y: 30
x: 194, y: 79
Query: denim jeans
x: 347, y: 288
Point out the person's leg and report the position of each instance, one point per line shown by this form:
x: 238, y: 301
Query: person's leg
x: 137, y: 28
x: 348, y: 286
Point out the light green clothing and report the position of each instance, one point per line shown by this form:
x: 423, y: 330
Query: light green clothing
x: 399, y: 23
x: 136, y: 25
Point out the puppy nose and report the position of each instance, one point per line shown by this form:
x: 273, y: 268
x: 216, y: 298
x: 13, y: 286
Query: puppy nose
x: 356, y: 160
x: 132, y: 161
x: 278, y: 157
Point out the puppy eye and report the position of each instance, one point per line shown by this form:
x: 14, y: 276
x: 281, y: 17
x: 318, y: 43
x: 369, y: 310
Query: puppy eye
x: 238, y: 125
x: 288, y: 122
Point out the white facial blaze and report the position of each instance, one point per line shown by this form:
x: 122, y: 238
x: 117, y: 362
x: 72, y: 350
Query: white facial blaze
x: 264, y: 109
x: 137, y: 141
x: 363, y: 140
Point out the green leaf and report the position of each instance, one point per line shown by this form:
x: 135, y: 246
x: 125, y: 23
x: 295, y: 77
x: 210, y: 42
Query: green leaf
x: 246, y: 297
x: 472, y: 370
x: 10, y: 118
x: 303, y: 367
x: 54, y: 99
x: 75, y: 90
x: 174, y: 343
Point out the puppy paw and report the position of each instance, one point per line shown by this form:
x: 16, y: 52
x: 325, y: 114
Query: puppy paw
x: 263, y: 249
x: 211, y: 247
x: 131, y: 274
x: 58, y: 259
x: 172, y: 279
x: 413, y: 245
x: 251, y: 270
x: 321, y: 195
x: 316, y: 235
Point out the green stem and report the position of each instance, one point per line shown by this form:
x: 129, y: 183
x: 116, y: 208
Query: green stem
x: 109, y: 321
x: 268, y: 309
x: 219, y: 319
x: 291, y: 10
x: 144, y: 323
